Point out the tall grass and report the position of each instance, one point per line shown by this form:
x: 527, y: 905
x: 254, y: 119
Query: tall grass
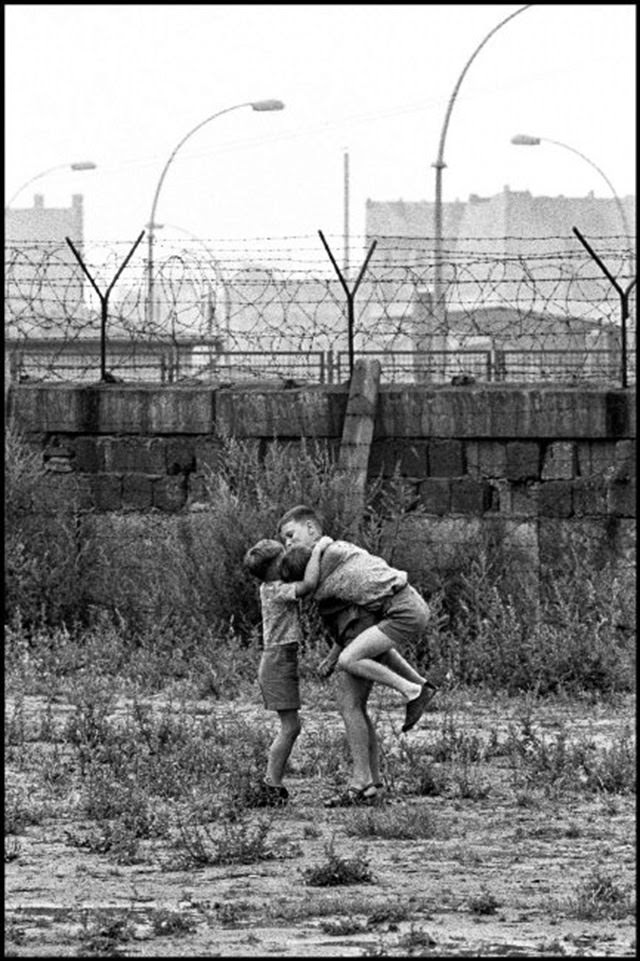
x: 167, y: 596
x: 44, y: 545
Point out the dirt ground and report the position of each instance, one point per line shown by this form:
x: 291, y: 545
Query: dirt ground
x: 498, y: 880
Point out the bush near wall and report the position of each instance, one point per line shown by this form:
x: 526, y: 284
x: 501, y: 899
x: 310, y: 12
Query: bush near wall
x: 174, y: 585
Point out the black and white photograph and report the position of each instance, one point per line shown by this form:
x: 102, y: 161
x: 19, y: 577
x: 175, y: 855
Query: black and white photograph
x: 320, y: 480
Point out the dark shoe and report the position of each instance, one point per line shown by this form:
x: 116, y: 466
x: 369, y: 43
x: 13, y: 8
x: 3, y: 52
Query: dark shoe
x: 416, y: 708
x: 354, y: 797
x: 269, y: 796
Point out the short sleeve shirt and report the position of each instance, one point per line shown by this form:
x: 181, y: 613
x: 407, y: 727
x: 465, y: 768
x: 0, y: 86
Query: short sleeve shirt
x: 280, y: 621
x: 351, y: 574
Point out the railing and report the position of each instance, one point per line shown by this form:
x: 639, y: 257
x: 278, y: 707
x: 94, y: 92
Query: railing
x: 288, y: 364
x: 169, y: 365
x: 562, y: 366
x: 435, y: 366
x: 172, y: 366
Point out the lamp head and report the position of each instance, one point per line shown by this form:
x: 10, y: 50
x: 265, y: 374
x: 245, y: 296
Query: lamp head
x: 267, y: 105
x: 524, y: 140
x: 84, y: 165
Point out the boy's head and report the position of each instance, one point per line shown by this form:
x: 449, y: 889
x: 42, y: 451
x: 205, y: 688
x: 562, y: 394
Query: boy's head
x: 300, y: 527
x: 261, y: 556
x: 293, y: 563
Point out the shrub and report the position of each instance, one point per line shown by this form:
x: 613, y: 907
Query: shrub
x: 575, y: 637
x: 337, y: 870
x: 483, y: 903
x: 599, y: 896
x: 104, y: 936
x: 44, y: 541
x: 20, y: 810
x: 237, y: 840
x: 583, y: 765
x: 402, y: 823
x: 490, y: 623
x: 167, y: 922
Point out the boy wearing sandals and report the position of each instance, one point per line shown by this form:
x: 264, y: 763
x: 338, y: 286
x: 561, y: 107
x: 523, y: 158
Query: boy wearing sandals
x: 278, y: 669
x: 373, y: 610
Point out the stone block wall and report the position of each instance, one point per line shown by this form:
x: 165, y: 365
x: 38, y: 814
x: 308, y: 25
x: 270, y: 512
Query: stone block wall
x: 537, y: 462
x: 530, y: 478
x: 471, y: 451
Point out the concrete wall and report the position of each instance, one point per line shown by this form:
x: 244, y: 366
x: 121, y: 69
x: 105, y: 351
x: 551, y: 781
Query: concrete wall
x: 536, y: 463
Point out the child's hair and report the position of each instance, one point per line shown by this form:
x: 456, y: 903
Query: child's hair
x: 293, y: 563
x: 259, y: 557
x: 300, y: 513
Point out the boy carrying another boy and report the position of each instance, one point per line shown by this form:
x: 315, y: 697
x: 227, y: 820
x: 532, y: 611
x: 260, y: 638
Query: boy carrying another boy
x: 373, y: 611
x: 278, y: 669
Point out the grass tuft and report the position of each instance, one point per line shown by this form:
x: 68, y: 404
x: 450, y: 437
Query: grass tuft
x: 484, y: 903
x: 402, y: 822
x: 601, y: 897
x: 338, y: 870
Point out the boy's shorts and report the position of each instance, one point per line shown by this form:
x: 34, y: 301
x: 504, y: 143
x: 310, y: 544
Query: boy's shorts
x: 404, y: 616
x: 278, y: 678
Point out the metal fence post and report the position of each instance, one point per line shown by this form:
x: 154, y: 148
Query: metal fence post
x: 624, y: 305
x: 104, y: 300
x: 329, y: 362
x: 350, y: 294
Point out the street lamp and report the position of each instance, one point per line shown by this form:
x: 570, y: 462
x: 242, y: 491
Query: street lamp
x: 440, y: 165
x: 259, y: 105
x: 78, y: 165
x: 524, y: 140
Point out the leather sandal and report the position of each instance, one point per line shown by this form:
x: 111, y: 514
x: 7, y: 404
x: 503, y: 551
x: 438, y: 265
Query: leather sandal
x: 354, y: 797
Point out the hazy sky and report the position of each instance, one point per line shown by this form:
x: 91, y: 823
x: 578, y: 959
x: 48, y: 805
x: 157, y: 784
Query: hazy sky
x: 121, y: 85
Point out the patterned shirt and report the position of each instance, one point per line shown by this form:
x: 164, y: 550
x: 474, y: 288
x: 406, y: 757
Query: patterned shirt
x: 280, y: 621
x: 351, y: 574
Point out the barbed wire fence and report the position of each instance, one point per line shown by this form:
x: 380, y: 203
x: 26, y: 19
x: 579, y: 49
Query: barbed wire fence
x: 533, y: 310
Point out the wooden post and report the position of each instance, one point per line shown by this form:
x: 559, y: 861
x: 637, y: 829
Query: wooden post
x: 357, y: 434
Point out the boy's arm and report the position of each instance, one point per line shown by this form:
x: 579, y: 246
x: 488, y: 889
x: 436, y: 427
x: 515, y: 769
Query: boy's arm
x: 328, y: 663
x: 312, y: 571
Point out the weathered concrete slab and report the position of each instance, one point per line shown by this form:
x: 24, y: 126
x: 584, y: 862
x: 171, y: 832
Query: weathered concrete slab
x: 495, y: 412
x: 478, y: 412
x: 113, y: 409
x: 298, y: 412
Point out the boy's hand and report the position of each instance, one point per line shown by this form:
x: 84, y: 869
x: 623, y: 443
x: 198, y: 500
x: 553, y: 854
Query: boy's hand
x: 324, y: 542
x: 326, y: 666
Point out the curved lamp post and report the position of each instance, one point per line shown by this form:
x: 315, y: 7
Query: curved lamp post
x: 440, y: 165
x: 78, y: 165
x: 524, y: 140
x: 259, y: 105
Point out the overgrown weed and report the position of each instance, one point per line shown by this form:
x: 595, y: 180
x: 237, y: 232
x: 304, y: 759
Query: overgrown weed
x: 601, y: 897
x: 167, y: 922
x: 484, y: 902
x: 338, y: 870
x: 105, y: 936
x: 557, y: 764
x: 21, y: 810
x: 241, y: 839
x: 401, y: 822
x: 83, y: 576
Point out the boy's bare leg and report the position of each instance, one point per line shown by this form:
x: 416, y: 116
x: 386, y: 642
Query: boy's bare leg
x: 397, y: 663
x: 357, y: 658
x: 282, y: 746
x: 352, y: 693
x: 374, y: 753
